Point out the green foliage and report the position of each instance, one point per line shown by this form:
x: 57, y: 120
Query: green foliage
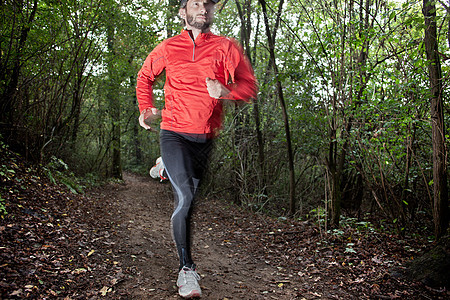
x: 6, y: 172
x: 318, y: 215
x: 349, y: 248
x: 58, y: 171
x: 2, y: 206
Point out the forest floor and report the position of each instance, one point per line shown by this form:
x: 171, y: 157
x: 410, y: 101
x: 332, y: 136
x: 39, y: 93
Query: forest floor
x: 114, y: 242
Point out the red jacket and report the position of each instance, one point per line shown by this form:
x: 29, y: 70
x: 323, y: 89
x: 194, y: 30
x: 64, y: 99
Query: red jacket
x: 188, y: 106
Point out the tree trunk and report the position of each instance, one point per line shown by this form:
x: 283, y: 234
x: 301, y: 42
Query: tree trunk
x: 335, y: 184
x: 7, y: 99
x: 440, y: 205
x: 114, y: 106
x: 245, y: 40
x: 136, y: 139
x: 271, y: 39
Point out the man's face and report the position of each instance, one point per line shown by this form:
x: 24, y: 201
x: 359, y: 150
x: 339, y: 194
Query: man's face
x: 199, y: 14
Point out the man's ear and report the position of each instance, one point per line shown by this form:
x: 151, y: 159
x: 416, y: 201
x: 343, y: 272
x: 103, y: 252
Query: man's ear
x: 182, y: 13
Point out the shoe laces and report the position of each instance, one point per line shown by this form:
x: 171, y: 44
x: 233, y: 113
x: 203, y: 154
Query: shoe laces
x: 190, y: 275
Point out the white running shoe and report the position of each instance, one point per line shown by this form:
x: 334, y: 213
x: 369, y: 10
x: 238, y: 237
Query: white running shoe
x: 157, y: 171
x: 187, y: 283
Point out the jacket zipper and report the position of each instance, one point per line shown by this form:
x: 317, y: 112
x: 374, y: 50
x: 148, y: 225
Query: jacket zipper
x: 193, y: 47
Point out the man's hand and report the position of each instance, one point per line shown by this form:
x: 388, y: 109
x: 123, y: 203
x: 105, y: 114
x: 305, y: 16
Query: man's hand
x: 147, y: 116
x: 215, y: 88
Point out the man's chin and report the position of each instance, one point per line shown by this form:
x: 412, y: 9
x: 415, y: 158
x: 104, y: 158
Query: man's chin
x: 200, y: 25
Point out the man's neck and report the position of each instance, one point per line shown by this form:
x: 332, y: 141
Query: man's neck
x: 196, y: 32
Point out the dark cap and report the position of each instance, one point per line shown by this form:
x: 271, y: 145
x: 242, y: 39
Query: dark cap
x: 183, y: 2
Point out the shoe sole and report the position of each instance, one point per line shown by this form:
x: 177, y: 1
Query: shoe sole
x: 192, y: 294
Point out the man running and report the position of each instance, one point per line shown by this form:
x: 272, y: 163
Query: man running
x: 202, y: 69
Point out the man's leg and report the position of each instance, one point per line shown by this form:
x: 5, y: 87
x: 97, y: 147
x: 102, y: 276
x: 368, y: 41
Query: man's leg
x: 185, y: 162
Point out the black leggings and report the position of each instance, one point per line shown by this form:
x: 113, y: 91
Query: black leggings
x: 185, y: 158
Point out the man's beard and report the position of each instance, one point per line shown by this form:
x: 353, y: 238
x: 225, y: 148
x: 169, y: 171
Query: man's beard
x: 197, y: 25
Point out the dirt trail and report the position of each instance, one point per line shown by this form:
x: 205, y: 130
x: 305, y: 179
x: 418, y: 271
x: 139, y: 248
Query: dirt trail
x: 141, y: 210
x: 114, y: 242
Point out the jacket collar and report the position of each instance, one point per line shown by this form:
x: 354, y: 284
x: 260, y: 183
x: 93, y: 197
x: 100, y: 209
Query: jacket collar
x: 200, y: 38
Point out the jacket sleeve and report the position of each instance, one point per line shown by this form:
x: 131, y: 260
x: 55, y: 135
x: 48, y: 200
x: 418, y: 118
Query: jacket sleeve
x: 243, y: 84
x: 154, y: 65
